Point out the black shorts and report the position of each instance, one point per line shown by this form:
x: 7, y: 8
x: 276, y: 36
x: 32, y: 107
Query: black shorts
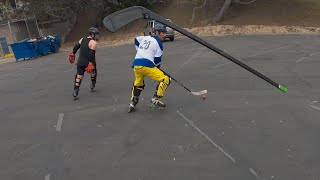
x: 82, y: 69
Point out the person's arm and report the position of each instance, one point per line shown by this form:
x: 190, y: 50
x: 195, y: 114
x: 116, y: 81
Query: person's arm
x: 92, y: 50
x: 76, y: 47
x: 158, y: 56
x: 137, y: 41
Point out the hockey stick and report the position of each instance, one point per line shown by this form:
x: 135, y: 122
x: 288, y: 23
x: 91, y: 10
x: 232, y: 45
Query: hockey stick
x: 115, y: 21
x: 199, y: 93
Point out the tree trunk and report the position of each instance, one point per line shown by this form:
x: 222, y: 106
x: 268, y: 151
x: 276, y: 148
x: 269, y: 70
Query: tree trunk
x: 194, y: 10
x: 225, y: 6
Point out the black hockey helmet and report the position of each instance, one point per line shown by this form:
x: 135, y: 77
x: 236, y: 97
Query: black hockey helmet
x: 93, y: 31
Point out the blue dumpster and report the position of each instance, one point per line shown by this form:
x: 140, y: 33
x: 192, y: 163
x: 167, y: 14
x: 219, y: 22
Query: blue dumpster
x: 23, y: 50
x: 42, y: 47
x: 35, y: 47
x: 55, y: 44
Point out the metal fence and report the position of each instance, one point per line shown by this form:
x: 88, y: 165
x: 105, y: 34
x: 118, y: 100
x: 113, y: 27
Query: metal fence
x: 16, y: 31
x: 24, y: 29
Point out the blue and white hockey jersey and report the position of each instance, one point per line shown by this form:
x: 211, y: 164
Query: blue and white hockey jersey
x: 149, y: 51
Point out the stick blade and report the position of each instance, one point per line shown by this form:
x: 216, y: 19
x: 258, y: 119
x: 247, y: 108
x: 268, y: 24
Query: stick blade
x: 117, y: 20
x: 199, y: 93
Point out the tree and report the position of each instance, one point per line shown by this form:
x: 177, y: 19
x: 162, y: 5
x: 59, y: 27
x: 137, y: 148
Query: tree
x: 115, y: 5
x: 55, y: 9
x: 66, y: 10
x: 226, y: 5
x: 110, y: 6
x: 194, y: 10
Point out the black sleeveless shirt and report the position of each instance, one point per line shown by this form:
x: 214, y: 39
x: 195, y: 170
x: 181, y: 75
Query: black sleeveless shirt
x: 83, y: 59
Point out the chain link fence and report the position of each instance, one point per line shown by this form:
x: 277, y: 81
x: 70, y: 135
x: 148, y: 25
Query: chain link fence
x: 16, y: 31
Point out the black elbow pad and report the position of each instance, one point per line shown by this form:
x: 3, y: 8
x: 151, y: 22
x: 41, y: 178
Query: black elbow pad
x: 92, y: 55
x: 75, y: 48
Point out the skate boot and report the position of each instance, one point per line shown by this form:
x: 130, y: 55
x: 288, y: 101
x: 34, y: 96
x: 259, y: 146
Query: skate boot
x: 133, y: 103
x: 92, y: 86
x: 157, y: 103
x: 75, y: 94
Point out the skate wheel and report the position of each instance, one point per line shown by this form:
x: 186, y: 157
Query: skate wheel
x: 153, y: 106
x: 130, y: 109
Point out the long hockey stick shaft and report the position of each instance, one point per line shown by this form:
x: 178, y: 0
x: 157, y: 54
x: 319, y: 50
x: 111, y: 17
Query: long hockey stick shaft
x: 151, y: 15
x: 180, y: 84
x: 119, y: 19
x: 236, y: 61
x: 177, y: 81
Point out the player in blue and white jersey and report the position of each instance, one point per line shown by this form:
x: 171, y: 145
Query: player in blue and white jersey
x: 146, y: 64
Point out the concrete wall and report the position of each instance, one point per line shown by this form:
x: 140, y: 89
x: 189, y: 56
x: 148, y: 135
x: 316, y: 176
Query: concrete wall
x: 62, y: 29
x: 5, y: 32
x: 20, y: 31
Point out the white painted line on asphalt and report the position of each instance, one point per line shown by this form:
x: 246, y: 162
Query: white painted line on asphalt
x: 220, y: 65
x: 207, y: 137
x: 301, y: 59
x: 194, y: 56
x: 254, y: 173
x: 60, y: 121
x: 28, y: 149
x: 315, y: 107
x: 271, y: 50
x: 308, y: 56
x: 47, y: 177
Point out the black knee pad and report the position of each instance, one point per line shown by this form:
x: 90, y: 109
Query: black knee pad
x: 95, y: 72
x: 139, y: 87
x: 135, y: 99
x: 137, y: 90
x: 94, y: 77
x: 164, y: 81
x: 75, y: 81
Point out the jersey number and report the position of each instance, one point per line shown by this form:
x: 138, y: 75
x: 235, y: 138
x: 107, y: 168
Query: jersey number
x: 145, y: 44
